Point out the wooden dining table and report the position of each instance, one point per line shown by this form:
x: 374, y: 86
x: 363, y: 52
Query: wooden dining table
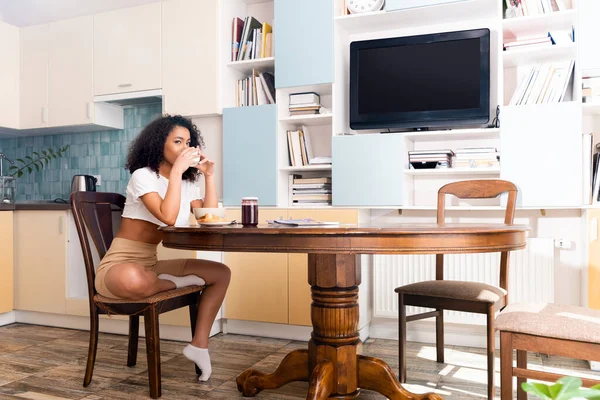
x: 332, y: 364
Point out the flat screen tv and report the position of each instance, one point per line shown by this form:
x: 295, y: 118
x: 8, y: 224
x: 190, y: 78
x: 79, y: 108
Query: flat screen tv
x: 434, y: 80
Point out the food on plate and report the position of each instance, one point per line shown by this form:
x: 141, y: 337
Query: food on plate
x: 211, y: 218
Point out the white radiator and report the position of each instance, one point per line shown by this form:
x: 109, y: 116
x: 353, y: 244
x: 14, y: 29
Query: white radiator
x: 531, y: 276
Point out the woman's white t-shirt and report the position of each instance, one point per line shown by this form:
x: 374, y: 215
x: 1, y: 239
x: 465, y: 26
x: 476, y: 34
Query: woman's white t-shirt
x: 144, y: 181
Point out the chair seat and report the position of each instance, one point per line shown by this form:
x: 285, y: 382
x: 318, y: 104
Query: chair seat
x: 158, y: 297
x: 458, y: 290
x: 551, y: 320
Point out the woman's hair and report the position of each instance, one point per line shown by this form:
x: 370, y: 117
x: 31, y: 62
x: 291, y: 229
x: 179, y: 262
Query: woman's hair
x: 147, y: 149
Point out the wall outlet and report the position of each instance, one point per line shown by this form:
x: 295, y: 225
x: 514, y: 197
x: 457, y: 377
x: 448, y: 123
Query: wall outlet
x: 562, y: 243
x: 98, y: 180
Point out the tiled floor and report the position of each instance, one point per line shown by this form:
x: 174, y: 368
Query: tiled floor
x: 48, y: 364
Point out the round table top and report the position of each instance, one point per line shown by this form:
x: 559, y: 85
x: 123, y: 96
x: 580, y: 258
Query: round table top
x: 359, y: 239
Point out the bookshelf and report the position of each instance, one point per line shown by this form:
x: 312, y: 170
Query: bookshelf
x: 525, y: 26
x: 452, y: 171
x: 417, y: 17
x: 307, y: 168
x: 452, y: 134
x: 245, y: 67
x: 309, y: 120
x: 591, y: 109
x: 518, y: 57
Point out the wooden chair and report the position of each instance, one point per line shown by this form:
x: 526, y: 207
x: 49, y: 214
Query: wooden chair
x: 93, y: 212
x: 563, y: 330
x: 463, y: 296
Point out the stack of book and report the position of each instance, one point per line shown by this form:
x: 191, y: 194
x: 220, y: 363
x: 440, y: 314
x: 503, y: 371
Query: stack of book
x: 429, y: 159
x: 255, y: 90
x: 301, y: 151
x: 304, y: 103
x: 310, y: 191
x: 590, y: 89
x: 536, y: 7
x: 250, y: 39
x: 476, y: 157
x: 544, y: 83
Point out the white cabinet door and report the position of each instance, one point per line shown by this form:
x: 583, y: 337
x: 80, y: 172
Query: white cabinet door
x: 127, y: 48
x: 34, y: 77
x: 190, y: 57
x: 589, y: 34
x: 10, y: 63
x: 541, y: 152
x: 71, y: 71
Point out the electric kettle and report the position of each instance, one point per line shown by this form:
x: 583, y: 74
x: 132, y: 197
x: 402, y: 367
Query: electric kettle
x: 83, y: 183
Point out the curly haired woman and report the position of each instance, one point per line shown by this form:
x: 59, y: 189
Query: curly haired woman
x: 165, y: 161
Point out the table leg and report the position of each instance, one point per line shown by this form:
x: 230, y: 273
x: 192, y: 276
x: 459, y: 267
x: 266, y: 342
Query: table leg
x: 332, y: 363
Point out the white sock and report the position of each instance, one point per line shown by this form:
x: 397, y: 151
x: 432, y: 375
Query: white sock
x: 183, y: 281
x: 201, y: 358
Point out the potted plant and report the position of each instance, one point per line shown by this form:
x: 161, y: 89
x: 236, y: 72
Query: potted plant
x: 566, y: 388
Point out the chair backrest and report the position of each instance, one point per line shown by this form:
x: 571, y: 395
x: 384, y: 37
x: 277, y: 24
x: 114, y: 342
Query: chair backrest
x: 92, y: 212
x: 478, y: 189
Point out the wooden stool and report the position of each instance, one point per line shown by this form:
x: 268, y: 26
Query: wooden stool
x: 568, y: 331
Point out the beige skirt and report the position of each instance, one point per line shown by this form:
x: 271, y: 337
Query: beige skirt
x: 125, y: 251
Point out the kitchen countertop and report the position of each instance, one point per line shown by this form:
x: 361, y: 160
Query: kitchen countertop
x: 42, y: 205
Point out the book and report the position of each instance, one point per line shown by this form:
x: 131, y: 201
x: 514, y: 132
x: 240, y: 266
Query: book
x: 250, y: 24
x: 237, y: 26
x: 266, y: 29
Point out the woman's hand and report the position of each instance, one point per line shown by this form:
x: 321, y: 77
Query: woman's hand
x: 187, y: 158
x: 205, y: 165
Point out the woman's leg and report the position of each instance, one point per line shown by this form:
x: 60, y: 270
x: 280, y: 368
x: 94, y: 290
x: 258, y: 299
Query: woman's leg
x: 216, y: 276
x: 133, y: 282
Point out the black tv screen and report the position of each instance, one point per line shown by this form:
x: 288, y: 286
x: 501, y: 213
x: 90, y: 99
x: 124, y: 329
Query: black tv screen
x: 421, y: 81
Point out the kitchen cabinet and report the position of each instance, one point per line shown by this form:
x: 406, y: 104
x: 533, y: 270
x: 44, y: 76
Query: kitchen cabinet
x: 248, y: 132
x: 127, y: 50
x: 71, y: 71
x: 6, y: 261
x: 10, y: 72
x: 259, y: 281
x: 306, y: 58
x: 378, y: 180
x: 40, y: 255
x: 541, y: 153
x: 588, y: 35
x: 190, y: 57
x: 273, y: 287
x: 34, y: 76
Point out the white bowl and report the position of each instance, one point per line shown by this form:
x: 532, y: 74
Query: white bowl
x: 201, y: 212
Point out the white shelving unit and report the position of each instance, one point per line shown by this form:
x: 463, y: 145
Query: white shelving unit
x: 307, y: 168
x: 517, y: 57
x: 591, y: 109
x: 525, y: 26
x: 309, y: 120
x: 246, y: 66
x: 453, y: 134
x: 452, y: 171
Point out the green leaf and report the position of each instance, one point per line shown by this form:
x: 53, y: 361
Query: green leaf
x: 539, y: 389
x: 44, y: 152
x: 29, y: 158
x: 21, y: 160
x: 20, y: 174
x: 29, y: 170
x: 555, y: 390
x: 12, y: 167
x: 568, y: 385
x: 35, y: 153
x: 37, y: 167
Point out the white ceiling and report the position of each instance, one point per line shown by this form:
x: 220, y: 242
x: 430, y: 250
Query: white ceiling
x: 33, y: 12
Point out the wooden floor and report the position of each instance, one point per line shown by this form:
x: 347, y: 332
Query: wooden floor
x: 48, y: 364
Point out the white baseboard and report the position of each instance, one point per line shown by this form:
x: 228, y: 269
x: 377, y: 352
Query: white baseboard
x: 424, y: 332
x: 277, y: 331
x: 119, y: 327
x: 7, y: 318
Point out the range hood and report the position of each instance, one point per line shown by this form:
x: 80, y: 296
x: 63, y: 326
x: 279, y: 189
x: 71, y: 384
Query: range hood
x: 131, y: 98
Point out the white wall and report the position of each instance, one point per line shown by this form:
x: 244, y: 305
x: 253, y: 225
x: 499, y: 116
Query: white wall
x: 211, y: 129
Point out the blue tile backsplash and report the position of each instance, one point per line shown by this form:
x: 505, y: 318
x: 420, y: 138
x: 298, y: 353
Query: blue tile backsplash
x: 96, y: 153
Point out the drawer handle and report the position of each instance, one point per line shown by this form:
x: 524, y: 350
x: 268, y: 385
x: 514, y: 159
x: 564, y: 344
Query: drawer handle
x: 124, y: 85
